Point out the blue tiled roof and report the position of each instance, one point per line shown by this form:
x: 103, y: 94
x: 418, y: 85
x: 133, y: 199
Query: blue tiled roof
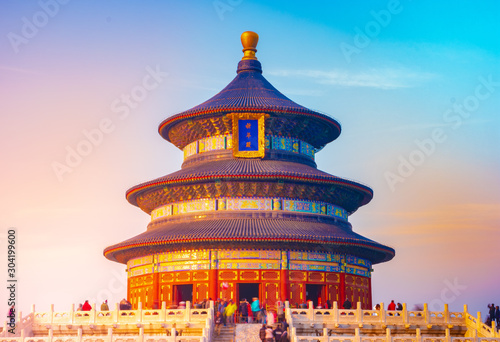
x: 257, y: 231
x: 250, y: 91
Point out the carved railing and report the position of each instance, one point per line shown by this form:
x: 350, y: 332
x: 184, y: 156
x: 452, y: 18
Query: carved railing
x: 82, y: 321
x: 320, y: 319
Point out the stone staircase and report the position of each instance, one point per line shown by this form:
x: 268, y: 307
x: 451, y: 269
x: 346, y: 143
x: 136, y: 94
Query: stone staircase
x: 248, y: 332
x: 227, y: 334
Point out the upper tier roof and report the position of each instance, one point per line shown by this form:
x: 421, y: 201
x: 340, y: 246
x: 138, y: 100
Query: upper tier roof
x: 251, y: 92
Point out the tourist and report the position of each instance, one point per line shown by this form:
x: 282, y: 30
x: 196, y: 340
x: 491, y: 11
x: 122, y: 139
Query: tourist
x: 222, y: 310
x: 243, y: 311
x: 347, y: 304
x: 218, y: 322
x: 263, y: 313
x: 399, y: 307
x: 284, y: 325
x: 497, y: 316
x: 262, y: 332
x: 80, y: 307
x: 269, y: 334
x: 281, y: 311
x: 270, y: 317
x: 104, y: 306
x: 229, y: 312
x: 328, y: 304
x: 255, y: 308
x: 492, y: 312
x: 284, y: 337
x: 125, y: 305
x: 86, y: 306
x: 391, y: 306
x: 277, y: 333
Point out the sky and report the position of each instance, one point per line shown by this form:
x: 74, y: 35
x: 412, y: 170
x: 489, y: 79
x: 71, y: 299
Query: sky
x: 414, y: 84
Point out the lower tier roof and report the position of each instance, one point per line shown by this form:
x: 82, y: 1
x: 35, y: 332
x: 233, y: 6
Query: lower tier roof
x: 303, y: 234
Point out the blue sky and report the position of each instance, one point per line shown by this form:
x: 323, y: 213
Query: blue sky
x: 400, y: 88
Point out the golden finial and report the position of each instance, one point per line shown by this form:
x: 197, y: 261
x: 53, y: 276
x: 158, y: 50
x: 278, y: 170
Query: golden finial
x: 249, y: 41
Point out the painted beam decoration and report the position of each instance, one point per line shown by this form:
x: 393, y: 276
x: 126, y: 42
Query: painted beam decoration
x: 248, y: 135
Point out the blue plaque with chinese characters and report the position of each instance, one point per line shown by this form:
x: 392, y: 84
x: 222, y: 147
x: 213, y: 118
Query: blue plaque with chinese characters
x: 248, y: 135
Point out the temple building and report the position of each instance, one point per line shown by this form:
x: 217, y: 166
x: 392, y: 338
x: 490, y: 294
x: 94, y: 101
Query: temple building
x: 249, y: 214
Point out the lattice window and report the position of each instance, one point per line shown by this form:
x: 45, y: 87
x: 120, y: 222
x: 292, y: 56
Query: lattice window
x: 270, y: 275
x: 200, y: 275
x: 202, y: 291
x: 315, y: 276
x: 332, y: 278
x: 227, y: 275
x: 296, y: 293
x: 271, y: 293
x: 297, y: 275
x: 183, y: 276
x: 249, y: 275
x: 167, y: 277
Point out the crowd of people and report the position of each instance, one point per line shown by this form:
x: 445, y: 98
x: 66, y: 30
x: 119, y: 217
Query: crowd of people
x: 254, y: 312
x: 124, y: 305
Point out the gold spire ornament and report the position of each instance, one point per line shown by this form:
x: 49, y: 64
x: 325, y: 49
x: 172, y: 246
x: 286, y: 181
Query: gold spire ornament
x: 249, y: 41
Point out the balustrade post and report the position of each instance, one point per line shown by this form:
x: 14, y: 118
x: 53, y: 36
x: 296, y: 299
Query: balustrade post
x: 72, y: 314
x: 336, y: 314
x: 293, y: 333
x: 110, y: 334
x: 173, y: 333
x: 187, y: 313
x: 406, y: 318
x: 51, y: 335
x: 447, y: 335
x: 388, y: 336
x: 466, y: 309
x: 418, y: 336
x: 427, y: 319
x: 163, y: 312
x: 20, y: 324
x: 383, y: 315
x: 117, y: 312
x: 325, y: 334
x: 80, y: 333
x: 51, y: 313
x: 357, y: 336
x: 93, y: 313
x: 446, y: 314
x: 33, y: 309
x: 141, y: 335
x: 22, y: 335
x: 479, y: 322
x: 4, y: 330
x: 359, y: 314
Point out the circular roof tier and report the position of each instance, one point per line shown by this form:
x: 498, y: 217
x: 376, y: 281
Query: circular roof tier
x: 250, y: 92
x: 285, y: 178
x: 237, y: 231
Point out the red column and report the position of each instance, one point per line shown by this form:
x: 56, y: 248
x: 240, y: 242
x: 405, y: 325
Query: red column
x: 370, y: 304
x: 341, y: 290
x: 284, y: 286
x: 213, y: 284
x: 156, y: 290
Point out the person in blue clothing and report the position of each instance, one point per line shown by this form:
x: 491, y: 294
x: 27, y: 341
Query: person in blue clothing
x: 255, y: 309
